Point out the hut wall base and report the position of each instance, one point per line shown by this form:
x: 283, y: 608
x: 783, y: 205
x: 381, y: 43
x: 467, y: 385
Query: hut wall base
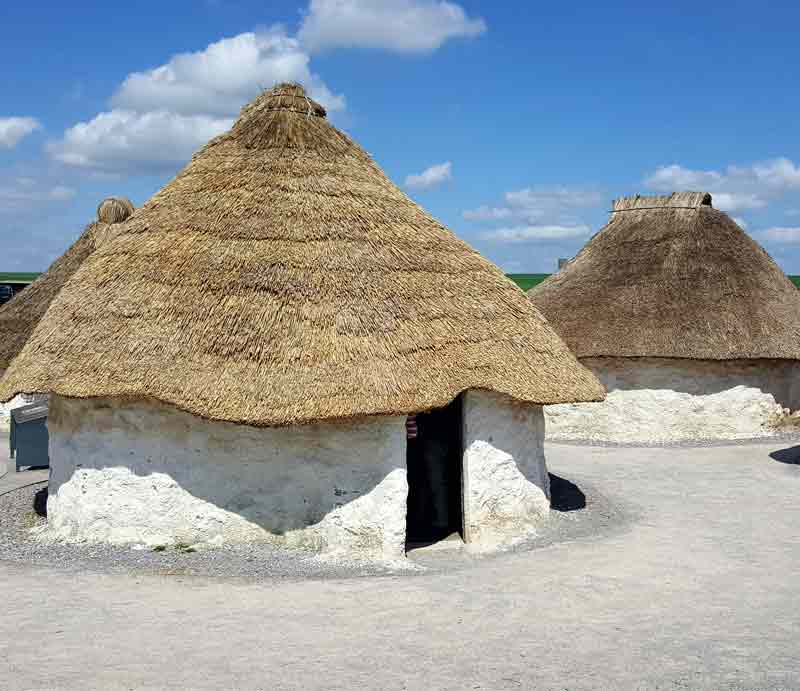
x: 506, y: 485
x: 150, y: 474
x: 659, y: 400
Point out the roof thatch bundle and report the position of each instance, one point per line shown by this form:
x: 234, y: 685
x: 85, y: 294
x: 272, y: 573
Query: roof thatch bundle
x: 673, y: 277
x: 282, y: 278
x: 19, y: 316
x: 114, y: 210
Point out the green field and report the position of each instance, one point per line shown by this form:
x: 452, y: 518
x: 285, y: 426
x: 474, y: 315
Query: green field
x: 524, y: 281
x: 527, y: 281
x: 17, y: 277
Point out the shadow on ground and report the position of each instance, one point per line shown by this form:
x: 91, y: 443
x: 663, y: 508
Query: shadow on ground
x: 790, y: 456
x: 565, y: 495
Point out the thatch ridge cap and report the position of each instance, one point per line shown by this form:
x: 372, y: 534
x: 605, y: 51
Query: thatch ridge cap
x: 676, y: 200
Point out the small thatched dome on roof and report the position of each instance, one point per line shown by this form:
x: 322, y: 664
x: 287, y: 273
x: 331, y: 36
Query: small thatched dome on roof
x: 688, y: 322
x: 282, y: 278
x: 20, y: 316
x: 114, y: 210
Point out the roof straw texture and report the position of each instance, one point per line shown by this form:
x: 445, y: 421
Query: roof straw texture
x: 282, y: 278
x: 673, y: 277
x: 19, y: 316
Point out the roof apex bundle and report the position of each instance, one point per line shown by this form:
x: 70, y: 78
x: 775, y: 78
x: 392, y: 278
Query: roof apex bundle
x: 673, y: 277
x: 282, y: 278
x: 676, y: 200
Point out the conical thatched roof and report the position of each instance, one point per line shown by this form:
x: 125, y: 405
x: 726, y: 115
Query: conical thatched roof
x: 19, y: 316
x: 673, y: 277
x: 282, y: 278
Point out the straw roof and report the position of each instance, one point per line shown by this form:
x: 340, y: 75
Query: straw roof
x: 673, y: 277
x: 282, y: 278
x: 19, y: 316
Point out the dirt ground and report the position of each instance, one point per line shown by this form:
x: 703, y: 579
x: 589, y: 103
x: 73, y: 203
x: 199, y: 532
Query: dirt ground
x: 699, y: 589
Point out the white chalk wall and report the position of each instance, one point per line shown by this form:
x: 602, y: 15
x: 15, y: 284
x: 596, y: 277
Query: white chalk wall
x: 146, y: 473
x: 506, y: 485
x: 665, y: 399
x: 6, y: 408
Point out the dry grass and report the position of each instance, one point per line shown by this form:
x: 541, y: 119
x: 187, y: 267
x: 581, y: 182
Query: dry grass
x: 673, y: 277
x: 282, y: 278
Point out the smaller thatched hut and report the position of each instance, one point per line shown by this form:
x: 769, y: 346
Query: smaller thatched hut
x: 20, y: 316
x: 688, y: 322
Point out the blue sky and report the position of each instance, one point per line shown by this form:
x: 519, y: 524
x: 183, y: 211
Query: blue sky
x: 514, y: 123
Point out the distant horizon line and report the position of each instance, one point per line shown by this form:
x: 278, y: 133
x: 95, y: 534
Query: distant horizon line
x: 525, y: 281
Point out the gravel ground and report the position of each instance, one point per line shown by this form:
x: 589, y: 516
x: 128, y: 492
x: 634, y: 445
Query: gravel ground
x: 576, y: 515
x: 777, y: 438
x: 698, y: 591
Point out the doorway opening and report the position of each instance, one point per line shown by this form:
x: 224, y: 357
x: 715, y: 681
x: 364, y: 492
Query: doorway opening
x: 434, y: 462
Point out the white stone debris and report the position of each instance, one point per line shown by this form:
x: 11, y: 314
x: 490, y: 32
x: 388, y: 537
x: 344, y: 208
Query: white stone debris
x: 660, y: 401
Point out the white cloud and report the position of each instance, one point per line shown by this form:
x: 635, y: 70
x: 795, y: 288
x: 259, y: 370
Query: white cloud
x: 737, y: 202
x: 782, y: 235
x: 520, y: 234
x: 737, y: 188
x: 25, y: 194
x: 13, y: 130
x: 431, y: 177
x: 677, y: 178
x: 219, y: 80
x: 124, y: 141
x: 61, y: 193
x: 403, y: 26
x: 739, y: 221
x: 488, y: 213
x: 538, y: 205
x: 161, y: 116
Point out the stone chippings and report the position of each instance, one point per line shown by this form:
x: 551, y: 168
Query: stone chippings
x: 260, y: 561
x: 774, y: 438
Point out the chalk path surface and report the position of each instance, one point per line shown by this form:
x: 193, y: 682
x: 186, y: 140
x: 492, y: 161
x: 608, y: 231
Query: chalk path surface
x: 699, y: 590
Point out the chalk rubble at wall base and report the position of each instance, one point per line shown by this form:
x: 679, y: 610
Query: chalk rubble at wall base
x: 654, y: 400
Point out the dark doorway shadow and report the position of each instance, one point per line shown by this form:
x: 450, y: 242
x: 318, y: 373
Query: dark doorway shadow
x: 40, y: 502
x: 565, y: 495
x: 433, y: 461
x: 790, y: 456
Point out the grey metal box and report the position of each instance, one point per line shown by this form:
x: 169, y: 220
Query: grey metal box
x: 29, y: 438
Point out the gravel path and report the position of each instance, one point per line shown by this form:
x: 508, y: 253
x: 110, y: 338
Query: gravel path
x: 696, y: 589
x: 778, y: 438
x: 24, y: 509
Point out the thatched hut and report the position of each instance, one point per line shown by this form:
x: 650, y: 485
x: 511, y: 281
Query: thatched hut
x: 239, y: 363
x: 20, y: 316
x: 688, y: 322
